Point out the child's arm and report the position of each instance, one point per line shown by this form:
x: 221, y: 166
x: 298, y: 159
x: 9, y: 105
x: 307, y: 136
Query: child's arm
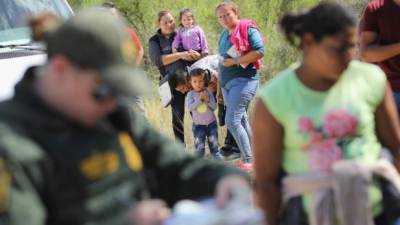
x: 192, y: 101
x: 203, y: 42
x: 177, y: 41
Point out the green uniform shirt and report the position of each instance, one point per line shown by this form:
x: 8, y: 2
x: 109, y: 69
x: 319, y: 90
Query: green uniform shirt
x: 77, y: 175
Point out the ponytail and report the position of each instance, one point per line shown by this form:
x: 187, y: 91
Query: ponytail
x: 207, y: 77
x: 325, y: 19
x: 293, y: 26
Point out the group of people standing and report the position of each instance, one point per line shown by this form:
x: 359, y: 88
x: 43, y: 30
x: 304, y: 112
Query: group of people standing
x: 327, y: 108
x: 240, y: 48
x: 72, y: 152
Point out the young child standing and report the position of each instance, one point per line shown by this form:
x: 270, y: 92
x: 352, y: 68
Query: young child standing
x: 202, y: 103
x: 190, y: 36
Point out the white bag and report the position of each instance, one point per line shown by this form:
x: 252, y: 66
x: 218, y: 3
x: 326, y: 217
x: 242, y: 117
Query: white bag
x: 165, y: 92
x: 209, y: 62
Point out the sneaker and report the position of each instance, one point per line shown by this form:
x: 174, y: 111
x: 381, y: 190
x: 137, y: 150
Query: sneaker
x: 235, y: 149
x: 231, y: 156
x: 226, y: 149
x: 229, y: 152
x: 217, y: 156
x: 244, y: 166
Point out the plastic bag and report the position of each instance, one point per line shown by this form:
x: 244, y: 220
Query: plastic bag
x: 238, y: 211
x: 209, y: 62
x: 164, y: 91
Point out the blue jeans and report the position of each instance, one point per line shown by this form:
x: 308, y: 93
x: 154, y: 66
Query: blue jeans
x: 200, y: 133
x: 237, y: 95
x: 396, y: 96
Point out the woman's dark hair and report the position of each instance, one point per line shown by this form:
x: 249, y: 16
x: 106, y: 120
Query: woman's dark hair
x: 179, y: 77
x: 231, y: 5
x: 161, y: 14
x: 325, y: 19
x: 187, y: 12
x: 205, y: 73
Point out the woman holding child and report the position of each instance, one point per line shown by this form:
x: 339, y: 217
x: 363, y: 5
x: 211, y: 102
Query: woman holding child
x: 168, y: 62
x: 241, y: 47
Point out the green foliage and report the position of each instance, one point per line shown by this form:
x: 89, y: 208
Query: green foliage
x: 142, y: 15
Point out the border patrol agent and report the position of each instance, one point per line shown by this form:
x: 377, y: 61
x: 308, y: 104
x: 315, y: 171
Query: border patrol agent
x: 72, y: 153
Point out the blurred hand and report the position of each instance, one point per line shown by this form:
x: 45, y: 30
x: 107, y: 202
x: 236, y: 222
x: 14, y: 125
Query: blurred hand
x: 220, y: 97
x: 194, y: 55
x: 201, y: 96
x: 204, y: 96
x: 149, y: 212
x: 230, y: 186
x: 212, y: 87
x: 228, y: 62
x: 185, y: 56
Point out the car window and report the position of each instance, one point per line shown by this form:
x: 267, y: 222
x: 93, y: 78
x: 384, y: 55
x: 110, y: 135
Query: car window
x: 14, y: 15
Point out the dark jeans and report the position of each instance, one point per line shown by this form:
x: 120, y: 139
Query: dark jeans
x: 203, y: 132
x: 178, y: 112
x: 229, y: 139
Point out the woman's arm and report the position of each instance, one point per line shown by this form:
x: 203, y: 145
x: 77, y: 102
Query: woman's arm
x: 171, y: 58
x: 257, y: 52
x: 267, y: 148
x: 371, y: 52
x: 160, y: 59
x: 249, y: 57
x: 186, y: 55
x: 387, y: 125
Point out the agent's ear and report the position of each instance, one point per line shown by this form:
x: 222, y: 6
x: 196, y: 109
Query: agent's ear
x: 59, y: 65
x: 308, y: 41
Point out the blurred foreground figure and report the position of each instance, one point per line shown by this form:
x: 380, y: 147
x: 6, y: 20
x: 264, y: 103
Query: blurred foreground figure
x: 320, y: 127
x: 72, y: 153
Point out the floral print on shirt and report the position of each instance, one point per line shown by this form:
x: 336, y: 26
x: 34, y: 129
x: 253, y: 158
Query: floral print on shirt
x: 327, y: 142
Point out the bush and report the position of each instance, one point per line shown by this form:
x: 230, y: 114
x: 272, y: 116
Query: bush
x: 142, y: 14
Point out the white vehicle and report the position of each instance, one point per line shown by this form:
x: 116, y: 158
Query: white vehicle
x: 17, y: 51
